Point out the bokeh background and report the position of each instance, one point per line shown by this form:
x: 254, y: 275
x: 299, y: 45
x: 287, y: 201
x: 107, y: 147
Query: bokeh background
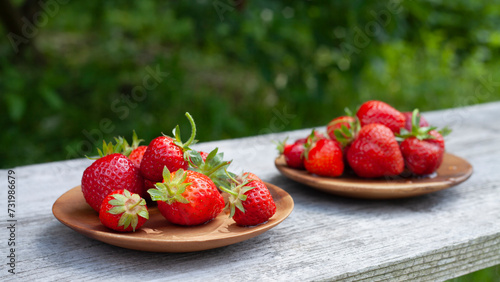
x: 75, y: 72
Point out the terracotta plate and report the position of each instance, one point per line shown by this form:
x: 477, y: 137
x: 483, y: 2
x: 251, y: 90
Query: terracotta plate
x: 452, y: 171
x: 158, y: 235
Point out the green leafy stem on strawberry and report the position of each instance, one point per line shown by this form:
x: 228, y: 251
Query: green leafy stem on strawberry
x: 127, y: 148
x: 420, y: 132
x: 191, y: 140
x: 171, y: 189
x: 213, y: 166
x: 236, y: 191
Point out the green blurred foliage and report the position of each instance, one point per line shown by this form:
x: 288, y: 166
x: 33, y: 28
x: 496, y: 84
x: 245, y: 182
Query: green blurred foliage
x: 234, y: 69
x: 485, y: 275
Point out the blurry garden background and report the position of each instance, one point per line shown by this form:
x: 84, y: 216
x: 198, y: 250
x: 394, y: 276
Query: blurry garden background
x: 80, y: 71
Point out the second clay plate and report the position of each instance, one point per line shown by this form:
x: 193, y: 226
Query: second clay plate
x: 452, y: 171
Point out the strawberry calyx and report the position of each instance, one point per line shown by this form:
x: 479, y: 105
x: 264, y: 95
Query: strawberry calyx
x: 310, y: 141
x: 127, y: 149
x: 236, y: 191
x: 108, y: 149
x: 213, y: 166
x: 345, y: 135
x: 171, y: 189
x: 130, y: 206
x: 420, y: 132
x: 280, y: 145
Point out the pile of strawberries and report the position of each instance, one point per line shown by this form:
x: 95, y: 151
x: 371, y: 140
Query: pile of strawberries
x: 186, y: 184
x: 378, y: 141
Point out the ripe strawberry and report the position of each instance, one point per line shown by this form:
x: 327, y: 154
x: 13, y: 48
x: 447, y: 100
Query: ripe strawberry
x: 203, y: 155
x: 300, y: 141
x: 187, y: 197
x: 375, y: 152
x: 136, y: 155
x: 134, y: 152
x: 123, y: 211
x: 324, y: 157
x: 148, y: 184
x: 247, y: 176
x: 337, y: 124
x: 344, y: 130
x: 380, y: 112
x: 423, y: 156
x: 422, y: 148
x: 211, y: 165
x: 408, y: 123
x: 317, y: 135
x: 166, y: 151
x: 112, y: 171
x: 250, y: 201
x: 293, y: 153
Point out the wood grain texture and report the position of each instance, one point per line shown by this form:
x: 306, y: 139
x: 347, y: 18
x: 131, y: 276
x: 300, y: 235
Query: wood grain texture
x: 432, y: 237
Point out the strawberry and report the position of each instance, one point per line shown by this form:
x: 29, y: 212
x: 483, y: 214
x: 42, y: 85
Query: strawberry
x: 344, y: 130
x: 203, y: 155
x: 123, y: 211
x: 134, y: 152
x: 250, y: 201
x: 293, y: 153
x: 375, y: 152
x: 422, y: 147
x: 166, y: 151
x: 380, y: 112
x: 423, y: 156
x: 249, y: 176
x: 112, y: 171
x: 187, y: 197
x: 211, y: 165
x: 408, y: 123
x: 324, y: 157
x: 148, y: 184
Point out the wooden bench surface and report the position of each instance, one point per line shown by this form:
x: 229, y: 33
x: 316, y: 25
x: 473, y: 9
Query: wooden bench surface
x: 432, y: 237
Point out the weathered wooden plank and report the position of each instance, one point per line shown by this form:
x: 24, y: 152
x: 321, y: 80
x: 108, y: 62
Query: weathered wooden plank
x: 432, y: 237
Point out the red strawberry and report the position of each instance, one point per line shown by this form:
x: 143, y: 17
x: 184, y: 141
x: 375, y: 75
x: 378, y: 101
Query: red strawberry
x: 337, y: 124
x: 187, y: 197
x: 109, y: 173
x: 375, y: 152
x: 293, y: 153
x: 324, y: 157
x: 134, y: 152
x: 166, y: 151
x: 123, y: 211
x: 248, y: 176
x: 422, y: 148
x: 344, y: 130
x: 380, y: 112
x: 318, y: 135
x: 203, y: 155
x: 148, y: 184
x: 423, y: 156
x: 250, y: 201
x: 408, y: 123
